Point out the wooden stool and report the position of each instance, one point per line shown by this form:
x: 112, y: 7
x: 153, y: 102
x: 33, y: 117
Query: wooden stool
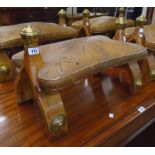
x: 10, y: 38
x: 136, y: 35
x: 99, y: 25
x: 44, y: 72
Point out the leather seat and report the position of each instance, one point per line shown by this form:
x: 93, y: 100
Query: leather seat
x: 68, y: 61
x: 102, y: 24
x: 149, y: 32
x: 129, y: 31
x: 10, y: 35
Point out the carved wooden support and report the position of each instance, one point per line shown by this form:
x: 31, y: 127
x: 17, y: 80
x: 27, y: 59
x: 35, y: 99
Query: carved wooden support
x: 119, y: 35
x: 85, y: 28
x: 23, y: 87
x: 148, y: 68
x: 6, y: 68
x: 54, y: 113
x: 120, y: 26
x: 27, y: 86
x: 137, y: 36
x: 135, y: 77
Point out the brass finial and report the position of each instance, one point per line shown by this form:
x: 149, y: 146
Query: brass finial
x: 86, y: 13
x: 141, y: 21
x: 62, y: 13
x: 29, y: 31
x: 58, y: 122
x: 4, y: 69
x: 122, y: 11
x: 120, y: 23
x: 30, y: 36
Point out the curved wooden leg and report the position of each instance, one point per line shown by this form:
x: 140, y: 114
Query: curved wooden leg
x: 149, y: 68
x: 53, y: 112
x: 23, y: 87
x: 135, y: 77
x: 50, y: 104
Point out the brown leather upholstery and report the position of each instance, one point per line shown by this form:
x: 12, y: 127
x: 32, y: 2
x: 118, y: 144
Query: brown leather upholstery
x: 10, y: 35
x: 71, y: 60
x: 102, y: 24
x: 149, y: 32
x: 129, y: 31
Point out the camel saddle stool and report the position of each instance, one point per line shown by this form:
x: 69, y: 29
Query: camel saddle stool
x: 47, y: 69
x: 10, y: 38
x: 144, y: 35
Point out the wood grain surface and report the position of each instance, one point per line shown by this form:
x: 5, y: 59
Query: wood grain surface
x: 88, y: 103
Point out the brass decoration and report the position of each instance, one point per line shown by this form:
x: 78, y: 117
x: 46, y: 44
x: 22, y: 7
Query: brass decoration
x: 58, y: 122
x: 30, y: 36
x: 6, y: 67
x: 4, y: 70
x: 62, y: 17
x: 140, y: 21
x: 153, y: 74
x: 62, y: 13
x: 122, y: 12
x: 138, y: 83
x: 86, y: 13
x: 120, y: 26
x: 120, y: 23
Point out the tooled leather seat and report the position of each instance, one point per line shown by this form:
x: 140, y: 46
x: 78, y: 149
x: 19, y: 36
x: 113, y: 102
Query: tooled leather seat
x: 102, y: 24
x: 68, y: 61
x: 149, y: 32
x: 10, y: 35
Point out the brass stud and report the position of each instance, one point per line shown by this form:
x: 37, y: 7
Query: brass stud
x: 152, y: 74
x: 4, y: 69
x: 58, y: 122
x: 139, y: 83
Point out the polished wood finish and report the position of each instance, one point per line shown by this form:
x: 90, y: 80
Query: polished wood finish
x: 88, y: 104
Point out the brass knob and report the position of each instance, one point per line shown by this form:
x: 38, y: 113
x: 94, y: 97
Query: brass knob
x: 139, y: 83
x: 29, y: 31
x: 4, y: 70
x: 141, y: 21
x: 62, y: 13
x: 120, y: 23
x: 58, y: 122
x: 122, y: 11
x: 86, y: 13
x: 152, y: 74
x: 30, y: 36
